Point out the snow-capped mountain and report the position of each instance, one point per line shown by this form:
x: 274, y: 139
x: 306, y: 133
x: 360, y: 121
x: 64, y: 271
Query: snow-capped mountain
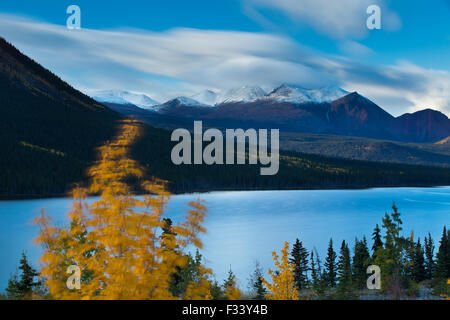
x: 125, y: 97
x: 299, y: 95
x: 242, y: 94
x: 183, y: 101
x: 207, y: 97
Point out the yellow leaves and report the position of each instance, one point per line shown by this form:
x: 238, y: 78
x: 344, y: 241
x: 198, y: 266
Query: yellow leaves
x: 283, y: 284
x: 233, y: 293
x: 117, y: 240
x: 447, y: 297
x: 200, y: 289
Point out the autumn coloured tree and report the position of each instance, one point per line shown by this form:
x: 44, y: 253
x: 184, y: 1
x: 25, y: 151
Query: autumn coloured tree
x: 283, y: 280
x: 118, y: 242
x: 231, y: 290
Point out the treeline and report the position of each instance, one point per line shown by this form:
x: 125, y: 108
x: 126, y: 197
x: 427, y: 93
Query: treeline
x: 409, y: 269
x: 406, y: 264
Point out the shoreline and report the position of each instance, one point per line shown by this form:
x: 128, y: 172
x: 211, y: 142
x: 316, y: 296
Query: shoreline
x: 203, y: 191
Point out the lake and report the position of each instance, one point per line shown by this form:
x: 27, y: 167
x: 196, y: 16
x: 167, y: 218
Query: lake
x: 247, y: 226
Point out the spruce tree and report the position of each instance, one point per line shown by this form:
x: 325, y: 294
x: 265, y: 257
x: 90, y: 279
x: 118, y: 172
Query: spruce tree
x: 344, y: 269
x: 418, y: 270
x: 443, y: 257
x: 256, y: 285
x: 376, y: 237
x: 300, y: 261
x: 330, y: 266
x: 315, y: 274
x: 429, y: 257
x: 23, y: 288
x: 361, y: 261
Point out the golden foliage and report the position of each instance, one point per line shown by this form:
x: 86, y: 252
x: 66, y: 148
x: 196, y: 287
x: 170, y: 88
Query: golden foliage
x: 117, y: 241
x: 283, y: 284
x: 447, y: 297
x: 232, y: 292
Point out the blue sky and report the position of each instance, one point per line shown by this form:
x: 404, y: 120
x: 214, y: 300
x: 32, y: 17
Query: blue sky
x: 169, y: 48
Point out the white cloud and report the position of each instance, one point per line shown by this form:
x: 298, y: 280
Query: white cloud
x: 336, y: 18
x: 185, y: 61
x: 429, y: 89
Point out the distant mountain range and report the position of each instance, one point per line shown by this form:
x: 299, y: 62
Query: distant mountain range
x: 328, y: 110
x: 246, y: 94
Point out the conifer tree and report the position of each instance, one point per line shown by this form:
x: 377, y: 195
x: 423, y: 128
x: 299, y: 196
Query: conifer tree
x: 443, y: 257
x: 392, y: 257
x: 315, y: 274
x: 300, y: 262
x: 23, y: 288
x: 216, y: 291
x: 119, y: 242
x: 429, y: 257
x: 344, y: 269
x: 376, y: 237
x: 361, y: 260
x: 283, y: 282
x: 256, y: 284
x: 330, y: 266
x: 418, y: 273
x: 190, y: 276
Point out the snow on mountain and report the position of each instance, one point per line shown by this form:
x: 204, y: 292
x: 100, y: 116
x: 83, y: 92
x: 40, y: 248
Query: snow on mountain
x: 207, y: 97
x: 242, y: 94
x: 299, y: 95
x: 184, y: 101
x: 125, y: 97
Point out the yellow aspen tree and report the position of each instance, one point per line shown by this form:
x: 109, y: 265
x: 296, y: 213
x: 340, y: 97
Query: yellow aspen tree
x: 232, y: 291
x: 116, y: 241
x: 283, y: 281
x: 200, y: 289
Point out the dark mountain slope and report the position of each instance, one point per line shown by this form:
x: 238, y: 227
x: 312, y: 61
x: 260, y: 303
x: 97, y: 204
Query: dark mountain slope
x: 423, y: 126
x: 354, y: 115
x: 48, y: 130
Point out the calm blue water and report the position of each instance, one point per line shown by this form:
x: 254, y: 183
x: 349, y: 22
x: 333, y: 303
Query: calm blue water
x: 248, y: 226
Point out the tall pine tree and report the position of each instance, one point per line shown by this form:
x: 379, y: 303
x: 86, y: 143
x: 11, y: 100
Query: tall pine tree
x: 418, y: 272
x: 330, y: 266
x: 429, y: 257
x: 443, y: 257
x: 300, y: 262
x: 361, y: 260
x: 376, y: 237
x: 344, y: 270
